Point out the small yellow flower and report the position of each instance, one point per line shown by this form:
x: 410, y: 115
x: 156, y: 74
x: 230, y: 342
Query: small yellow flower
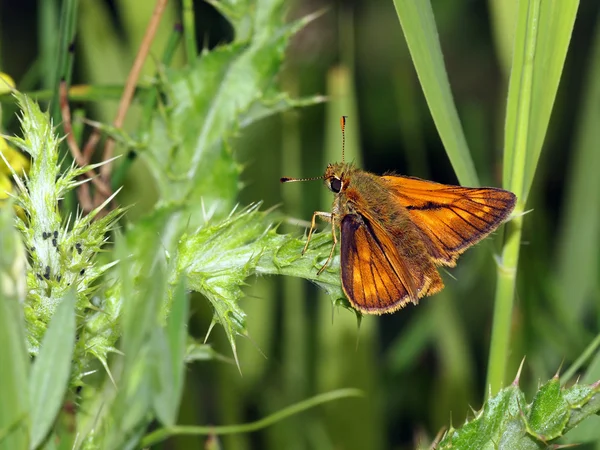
x: 7, y: 84
x: 19, y: 163
x: 5, y: 187
x: 15, y: 158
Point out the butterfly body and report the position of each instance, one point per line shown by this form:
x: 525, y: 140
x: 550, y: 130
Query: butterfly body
x: 395, y: 230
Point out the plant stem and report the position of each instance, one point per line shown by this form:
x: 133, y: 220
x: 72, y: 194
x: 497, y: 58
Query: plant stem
x: 503, y: 306
x: 163, y: 433
x: 189, y: 31
x: 516, y: 147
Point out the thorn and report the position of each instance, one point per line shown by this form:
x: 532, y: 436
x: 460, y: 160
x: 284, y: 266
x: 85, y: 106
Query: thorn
x: 235, y: 356
x: 557, y: 375
x: 103, y: 362
x: 558, y: 446
x: 210, y: 328
x: 516, y: 381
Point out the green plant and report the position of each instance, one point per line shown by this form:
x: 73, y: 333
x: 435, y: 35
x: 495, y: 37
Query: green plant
x: 94, y: 327
x: 119, y: 325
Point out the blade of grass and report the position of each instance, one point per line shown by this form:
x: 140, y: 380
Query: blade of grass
x: 14, y: 359
x: 503, y: 14
x: 418, y: 25
x: 64, y: 55
x: 542, y: 37
x: 47, y: 25
x: 579, y: 231
x: 51, y: 369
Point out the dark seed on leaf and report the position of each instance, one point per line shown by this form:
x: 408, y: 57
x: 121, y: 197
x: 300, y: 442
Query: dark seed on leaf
x: 47, y: 273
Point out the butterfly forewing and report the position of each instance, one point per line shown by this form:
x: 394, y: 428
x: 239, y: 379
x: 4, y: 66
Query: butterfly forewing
x: 451, y: 218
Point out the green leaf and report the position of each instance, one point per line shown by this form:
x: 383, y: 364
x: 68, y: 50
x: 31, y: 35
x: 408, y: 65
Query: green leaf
x: 218, y: 258
x: 418, y: 24
x: 168, y: 360
x: 506, y: 421
x: 163, y: 389
x: 542, y: 37
x: 195, y: 351
x: 51, y: 369
x: 188, y: 149
x: 577, y: 266
x: 549, y: 411
x: 135, y: 372
x: 177, y: 334
x: 141, y: 309
x: 14, y: 359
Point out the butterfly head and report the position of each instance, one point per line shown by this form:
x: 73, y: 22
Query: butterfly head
x: 336, y: 177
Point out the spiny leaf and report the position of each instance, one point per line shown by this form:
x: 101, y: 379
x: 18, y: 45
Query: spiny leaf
x: 233, y: 85
x: 218, y: 259
x: 506, y: 421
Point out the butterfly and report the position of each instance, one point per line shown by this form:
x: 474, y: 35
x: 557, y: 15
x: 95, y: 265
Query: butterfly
x: 395, y: 230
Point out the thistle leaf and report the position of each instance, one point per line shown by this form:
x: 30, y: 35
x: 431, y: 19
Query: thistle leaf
x: 507, y: 421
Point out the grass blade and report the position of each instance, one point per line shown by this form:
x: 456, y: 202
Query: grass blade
x: 14, y: 359
x: 577, y: 265
x: 542, y: 36
x: 418, y: 24
x: 51, y: 369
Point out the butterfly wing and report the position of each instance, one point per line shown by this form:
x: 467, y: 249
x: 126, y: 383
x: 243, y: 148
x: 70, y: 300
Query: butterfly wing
x: 450, y: 218
x: 375, y: 277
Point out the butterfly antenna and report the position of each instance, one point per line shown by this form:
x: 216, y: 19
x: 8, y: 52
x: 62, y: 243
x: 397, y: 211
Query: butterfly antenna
x: 289, y: 180
x: 343, y: 127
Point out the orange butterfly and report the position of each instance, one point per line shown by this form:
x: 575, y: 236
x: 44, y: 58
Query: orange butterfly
x: 395, y: 230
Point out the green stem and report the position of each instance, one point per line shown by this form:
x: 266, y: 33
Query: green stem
x: 189, y: 31
x: 516, y: 147
x: 503, y: 306
x: 64, y: 57
x: 164, y: 433
x: 587, y: 354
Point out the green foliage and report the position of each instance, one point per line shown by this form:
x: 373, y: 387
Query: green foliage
x: 94, y: 341
x: 507, y: 421
x: 14, y: 388
x: 134, y: 304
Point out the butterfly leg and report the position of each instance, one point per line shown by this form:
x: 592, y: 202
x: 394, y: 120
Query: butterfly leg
x: 325, y: 215
x: 332, y: 247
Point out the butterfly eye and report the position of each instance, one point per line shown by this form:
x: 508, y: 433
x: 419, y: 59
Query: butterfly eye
x: 336, y: 185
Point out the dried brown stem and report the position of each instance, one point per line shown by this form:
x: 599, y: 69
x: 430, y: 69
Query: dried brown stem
x: 132, y: 79
x: 83, y: 192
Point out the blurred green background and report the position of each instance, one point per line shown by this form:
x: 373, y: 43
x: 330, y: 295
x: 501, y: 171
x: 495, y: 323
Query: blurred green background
x: 423, y: 367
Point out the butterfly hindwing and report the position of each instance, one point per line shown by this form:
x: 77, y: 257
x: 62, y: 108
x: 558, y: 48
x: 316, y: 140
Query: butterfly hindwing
x: 375, y: 277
